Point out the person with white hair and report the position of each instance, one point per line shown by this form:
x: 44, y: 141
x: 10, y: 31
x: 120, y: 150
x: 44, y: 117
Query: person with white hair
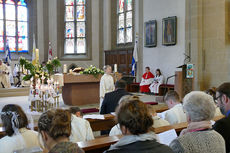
x: 198, y: 137
x: 106, y: 83
x: 4, y: 76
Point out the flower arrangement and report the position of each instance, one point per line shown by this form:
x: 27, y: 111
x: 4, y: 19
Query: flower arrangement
x: 38, y: 71
x: 92, y: 70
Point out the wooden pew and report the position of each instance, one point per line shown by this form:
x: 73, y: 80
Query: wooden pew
x: 96, y: 124
x: 99, y: 145
x: 106, y: 124
x: 179, y: 127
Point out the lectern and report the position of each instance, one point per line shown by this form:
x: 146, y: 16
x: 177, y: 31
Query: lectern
x: 183, y: 85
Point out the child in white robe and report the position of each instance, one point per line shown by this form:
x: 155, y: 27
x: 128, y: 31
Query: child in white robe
x: 157, y: 81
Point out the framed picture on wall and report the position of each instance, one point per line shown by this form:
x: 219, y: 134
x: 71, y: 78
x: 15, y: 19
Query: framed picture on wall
x: 169, y: 31
x: 151, y: 33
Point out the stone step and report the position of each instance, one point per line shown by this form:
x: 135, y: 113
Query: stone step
x: 12, y: 92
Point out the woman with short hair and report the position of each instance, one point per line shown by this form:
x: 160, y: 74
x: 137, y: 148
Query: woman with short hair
x: 135, y: 122
x: 55, y: 128
x: 198, y: 137
x: 18, y: 136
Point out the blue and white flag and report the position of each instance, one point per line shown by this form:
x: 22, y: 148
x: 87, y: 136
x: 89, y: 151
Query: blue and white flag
x: 7, y: 53
x: 135, y: 56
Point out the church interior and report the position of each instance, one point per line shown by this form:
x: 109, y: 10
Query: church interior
x: 92, y: 59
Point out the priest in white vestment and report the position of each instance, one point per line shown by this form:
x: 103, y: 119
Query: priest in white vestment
x: 106, y: 83
x: 80, y: 128
x: 4, y: 75
x: 175, y: 114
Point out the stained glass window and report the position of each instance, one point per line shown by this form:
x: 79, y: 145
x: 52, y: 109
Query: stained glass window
x: 75, y: 25
x: 10, y: 2
x: 69, y: 2
x: 10, y: 12
x: 125, y: 21
x: 69, y: 30
x: 22, y: 13
x: 14, y: 25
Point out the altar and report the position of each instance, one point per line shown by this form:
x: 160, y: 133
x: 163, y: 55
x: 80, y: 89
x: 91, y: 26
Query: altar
x: 81, y: 89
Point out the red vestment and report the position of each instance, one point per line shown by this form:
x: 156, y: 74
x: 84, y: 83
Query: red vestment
x: 146, y: 78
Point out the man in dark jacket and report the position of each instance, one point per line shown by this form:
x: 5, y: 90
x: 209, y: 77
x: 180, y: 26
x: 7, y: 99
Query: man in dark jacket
x: 223, y: 125
x: 111, y: 99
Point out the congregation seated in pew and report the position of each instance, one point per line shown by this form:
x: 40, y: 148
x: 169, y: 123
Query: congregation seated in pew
x: 135, y: 122
x: 55, y: 128
x: 175, y: 114
x: 18, y: 136
x: 198, y: 137
x: 157, y: 121
x: 80, y: 128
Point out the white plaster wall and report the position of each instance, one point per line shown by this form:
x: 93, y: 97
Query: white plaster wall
x: 107, y: 24
x: 53, y: 26
x: 167, y: 58
x: 40, y: 29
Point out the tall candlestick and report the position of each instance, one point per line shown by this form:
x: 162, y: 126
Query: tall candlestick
x: 115, y: 67
x: 64, y: 68
x: 37, y: 55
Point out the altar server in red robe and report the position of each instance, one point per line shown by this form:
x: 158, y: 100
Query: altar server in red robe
x: 146, y: 81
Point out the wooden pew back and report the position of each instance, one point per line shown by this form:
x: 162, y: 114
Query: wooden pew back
x: 99, y: 145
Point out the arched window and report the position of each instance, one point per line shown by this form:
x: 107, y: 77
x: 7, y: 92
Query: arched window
x: 125, y: 21
x: 75, y: 25
x: 13, y: 25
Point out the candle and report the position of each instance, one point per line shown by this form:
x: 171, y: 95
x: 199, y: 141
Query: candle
x: 70, y: 71
x: 115, y: 67
x: 37, y: 55
x: 64, y: 68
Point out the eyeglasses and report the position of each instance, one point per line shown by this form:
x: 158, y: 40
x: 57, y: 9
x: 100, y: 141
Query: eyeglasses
x: 216, y: 98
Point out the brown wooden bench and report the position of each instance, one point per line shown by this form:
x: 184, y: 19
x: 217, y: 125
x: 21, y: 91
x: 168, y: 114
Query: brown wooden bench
x: 164, y: 88
x: 99, y: 145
